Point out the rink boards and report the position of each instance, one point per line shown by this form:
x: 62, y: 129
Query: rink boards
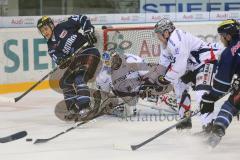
x: 24, y: 58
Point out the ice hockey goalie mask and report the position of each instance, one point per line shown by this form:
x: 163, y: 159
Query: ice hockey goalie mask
x: 164, y: 25
x: 116, y: 61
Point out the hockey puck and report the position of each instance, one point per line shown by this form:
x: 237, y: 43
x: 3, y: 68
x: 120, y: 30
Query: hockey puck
x: 29, y: 139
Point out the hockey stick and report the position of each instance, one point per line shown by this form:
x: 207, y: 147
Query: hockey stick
x: 13, y: 137
x: 16, y: 99
x: 135, y: 147
x: 35, y: 85
x: 38, y: 141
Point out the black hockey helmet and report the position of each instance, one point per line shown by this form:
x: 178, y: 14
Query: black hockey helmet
x: 43, y: 21
x: 229, y: 26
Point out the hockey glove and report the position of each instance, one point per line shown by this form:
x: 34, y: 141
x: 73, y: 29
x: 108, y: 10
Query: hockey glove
x: 189, y: 77
x: 207, y: 104
x: 162, y: 80
x: 144, y: 88
x: 91, y: 38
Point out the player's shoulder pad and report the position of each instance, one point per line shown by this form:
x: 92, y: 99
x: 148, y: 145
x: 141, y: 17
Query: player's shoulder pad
x: 59, y: 27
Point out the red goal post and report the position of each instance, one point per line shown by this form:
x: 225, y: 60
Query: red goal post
x: 140, y: 41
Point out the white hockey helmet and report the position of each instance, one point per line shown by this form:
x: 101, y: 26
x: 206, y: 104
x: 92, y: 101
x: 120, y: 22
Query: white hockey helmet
x: 163, y: 25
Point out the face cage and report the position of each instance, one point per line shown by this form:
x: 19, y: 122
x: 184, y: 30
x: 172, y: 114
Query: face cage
x: 116, y: 63
x: 159, y: 31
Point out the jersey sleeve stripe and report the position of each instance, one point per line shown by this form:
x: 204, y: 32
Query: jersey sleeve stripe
x: 216, y: 90
x: 220, y: 81
x: 220, y: 86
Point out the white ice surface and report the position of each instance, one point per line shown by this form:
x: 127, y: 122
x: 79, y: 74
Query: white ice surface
x: 95, y: 141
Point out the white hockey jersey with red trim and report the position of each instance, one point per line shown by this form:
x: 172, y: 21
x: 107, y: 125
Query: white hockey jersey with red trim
x: 186, y: 52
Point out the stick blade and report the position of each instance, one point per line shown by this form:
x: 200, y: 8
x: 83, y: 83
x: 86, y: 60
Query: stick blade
x: 6, y: 99
x: 13, y: 137
x: 134, y: 147
x: 38, y: 141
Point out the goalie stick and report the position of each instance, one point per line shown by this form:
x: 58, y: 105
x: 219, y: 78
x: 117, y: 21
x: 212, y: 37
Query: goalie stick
x: 135, y: 147
x: 13, y: 137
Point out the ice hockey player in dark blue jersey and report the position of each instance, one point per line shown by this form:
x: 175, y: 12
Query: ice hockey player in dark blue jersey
x: 229, y: 65
x: 64, y: 40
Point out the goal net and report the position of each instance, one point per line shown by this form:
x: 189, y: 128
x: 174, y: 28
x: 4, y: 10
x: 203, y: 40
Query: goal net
x: 140, y: 41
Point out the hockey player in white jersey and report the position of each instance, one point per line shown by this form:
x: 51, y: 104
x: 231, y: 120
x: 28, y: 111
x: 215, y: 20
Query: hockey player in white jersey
x: 190, y: 61
x: 122, y: 74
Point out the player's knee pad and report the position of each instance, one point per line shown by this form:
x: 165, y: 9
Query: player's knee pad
x: 226, y: 114
x: 204, y: 76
